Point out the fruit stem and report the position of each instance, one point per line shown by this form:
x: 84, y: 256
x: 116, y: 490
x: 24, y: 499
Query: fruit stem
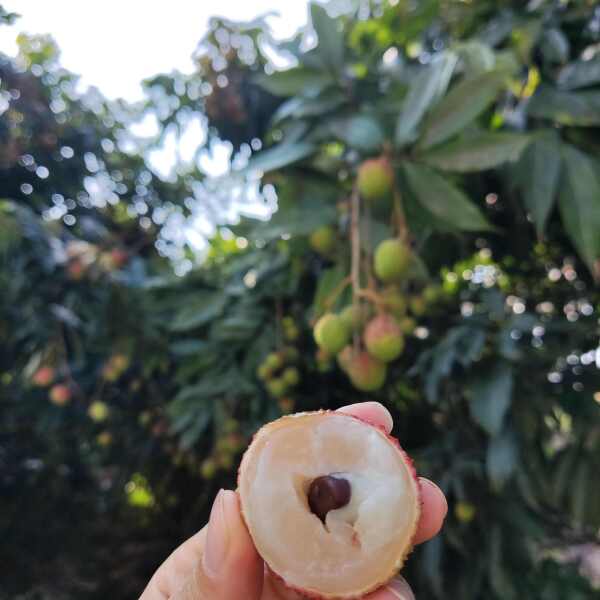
x: 355, y: 244
x: 399, y: 217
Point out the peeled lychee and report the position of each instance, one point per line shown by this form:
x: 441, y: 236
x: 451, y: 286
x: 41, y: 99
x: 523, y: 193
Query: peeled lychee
x: 375, y: 179
x: 366, y: 372
x: 331, y: 502
x: 43, y: 377
x: 331, y: 333
x: 383, y: 338
x: 392, y: 259
x: 322, y: 240
x: 60, y: 394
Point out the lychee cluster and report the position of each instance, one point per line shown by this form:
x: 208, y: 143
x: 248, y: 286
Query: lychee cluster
x: 227, y: 447
x: 280, y: 375
x: 85, y: 259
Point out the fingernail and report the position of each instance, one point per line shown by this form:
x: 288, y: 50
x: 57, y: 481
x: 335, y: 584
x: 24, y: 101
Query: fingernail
x: 438, y: 490
x: 218, y: 537
x: 400, y: 589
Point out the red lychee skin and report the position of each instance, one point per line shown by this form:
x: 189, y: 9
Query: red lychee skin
x: 411, y: 469
x: 43, y: 377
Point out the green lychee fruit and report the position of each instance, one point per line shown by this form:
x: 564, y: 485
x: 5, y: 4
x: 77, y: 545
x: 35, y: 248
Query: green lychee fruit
x: 291, y: 376
x: 322, y: 240
x: 394, y: 301
x: 375, y: 179
x: 291, y: 333
x: 383, y: 338
x: 324, y: 360
x: 417, y: 306
x: 407, y: 325
x: 208, y: 468
x: 465, y: 511
x: 431, y: 294
x: 355, y: 316
x: 366, y: 373
x: 331, y: 333
x: 277, y: 387
x: 392, y: 259
x: 274, y: 361
x: 98, y: 411
x: 290, y: 354
x: 264, y: 372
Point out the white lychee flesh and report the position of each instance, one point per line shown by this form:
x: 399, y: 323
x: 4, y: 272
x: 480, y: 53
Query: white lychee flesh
x: 361, y: 545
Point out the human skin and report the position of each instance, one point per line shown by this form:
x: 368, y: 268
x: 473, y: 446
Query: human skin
x: 220, y: 562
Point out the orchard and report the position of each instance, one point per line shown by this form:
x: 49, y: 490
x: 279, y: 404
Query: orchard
x: 411, y: 216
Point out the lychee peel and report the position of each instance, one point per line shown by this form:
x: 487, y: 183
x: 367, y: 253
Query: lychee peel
x: 360, y: 546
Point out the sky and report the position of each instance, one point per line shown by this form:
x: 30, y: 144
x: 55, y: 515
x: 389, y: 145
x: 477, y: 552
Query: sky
x: 114, y: 44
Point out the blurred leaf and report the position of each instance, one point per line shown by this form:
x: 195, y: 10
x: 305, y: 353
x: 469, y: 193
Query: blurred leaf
x: 329, y: 281
x: 292, y: 82
x: 499, y: 579
x: 579, y: 74
x: 278, y: 156
x: 566, y: 108
x: 432, y: 564
x: 331, y: 39
x: 362, y: 132
x: 188, y: 347
x: 501, y: 461
x: 477, y: 153
x: 464, y: 103
x: 199, y: 311
x: 491, y: 396
x: 555, y: 46
x: 538, y: 173
x: 425, y: 89
x: 579, y: 204
x: 443, y: 200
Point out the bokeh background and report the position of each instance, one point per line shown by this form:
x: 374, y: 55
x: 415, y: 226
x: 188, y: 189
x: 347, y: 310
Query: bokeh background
x: 166, y: 249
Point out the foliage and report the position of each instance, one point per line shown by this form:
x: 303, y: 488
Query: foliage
x: 487, y: 116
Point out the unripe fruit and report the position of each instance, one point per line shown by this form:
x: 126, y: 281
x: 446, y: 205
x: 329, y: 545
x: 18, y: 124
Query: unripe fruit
x: 291, y: 333
x: 375, y: 179
x: 394, y: 301
x: 322, y: 240
x: 277, y: 388
x: 366, y: 373
x: 355, y: 316
x: 291, y: 376
x: 464, y: 511
x: 323, y: 360
x: 98, y: 411
x: 331, y: 333
x: 383, y: 338
x: 263, y: 372
x: 225, y: 461
x: 345, y: 357
x: 60, y: 394
x: 331, y: 503
x: 291, y: 354
x: 407, y: 325
x: 43, y: 377
x: 104, y: 439
x: 431, y: 294
x: 392, y: 259
x: 417, y: 306
x: 274, y: 361
x: 208, y: 468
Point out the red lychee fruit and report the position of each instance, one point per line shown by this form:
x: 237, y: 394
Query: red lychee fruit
x: 366, y: 373
x: 60, y: 394
x: 375, y: 179
x: 331, y: 502
x: 43, y: 377
x: 383, y: 338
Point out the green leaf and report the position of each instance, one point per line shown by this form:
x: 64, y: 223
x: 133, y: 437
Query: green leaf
x: 425, y: 89
x: 294, y: 81
x: 579, y: 74
x: 555, y: 46
x: 464, y: 103
x: 331, y: 38
x: 362, y: 132
x: 199, y: 311
x: 566, y: 108
x: 478, y: 153
x: 501, y: 460
x: 579, y: 204
x: 446, y: 202
x: 278, y: 157
x: 329, y: 281
x: 491, y: 396
x: 539, y: 173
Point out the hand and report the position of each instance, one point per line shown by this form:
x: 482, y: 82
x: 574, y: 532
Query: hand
x: 221, y: 563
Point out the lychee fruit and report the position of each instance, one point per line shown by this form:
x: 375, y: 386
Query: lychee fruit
x: 277, y: 387
x: 375, y: 179
x: 355, y: 316
x: 208, y: 468
x: 366, y: 373
x: 464, y: 511
x: 274, y: 361
x: 383, y: 338
x: 394, y: 301
x: 43, y: 377
x: 331, y: 502
x: 322, y: 240
x: 392, y: 259
x: 60, y: 394
x: 345, y: 357
x: 286, y: 405
x: 407, y: 325
x: 291, y: 376
x: 417, y: 306
x: 331, y: 333
x: 263, y: 372
x: 431, y: 294
x: 104, y: 439
x: 98, y: 411
x: 324, y: 360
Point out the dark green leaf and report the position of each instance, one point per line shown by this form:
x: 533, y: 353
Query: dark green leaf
x: 491, y: 397
x: 295, y: 81
x: 461, y: 106
x: 427, y: 86
x: 329, y: 281
x: 362, y: 132
x: 199, y: 311
x: 188, y: 347
x: 278, y: 157
x: 539, y: 172
x: 579, y: 74
x: 579, y: 204
x: 501, y: 461
x: 331, y: 38
x: 446, y: 202
x: 499, y: 578
x: 567, y: 108
x: 478, y: 153
x: 555, y: 46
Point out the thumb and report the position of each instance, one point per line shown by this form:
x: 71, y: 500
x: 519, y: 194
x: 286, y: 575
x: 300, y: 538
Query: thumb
x: 230, y: 567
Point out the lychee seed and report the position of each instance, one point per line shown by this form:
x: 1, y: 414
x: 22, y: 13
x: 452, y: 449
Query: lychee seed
x: 328, y: 492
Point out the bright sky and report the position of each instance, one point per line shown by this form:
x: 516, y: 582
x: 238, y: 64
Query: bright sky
x: 114, y: 44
